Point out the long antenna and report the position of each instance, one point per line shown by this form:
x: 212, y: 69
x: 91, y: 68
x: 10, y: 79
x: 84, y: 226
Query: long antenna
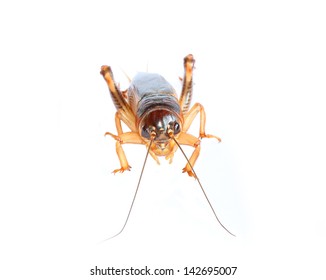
x: 132, y: 203
x: 192, y: 169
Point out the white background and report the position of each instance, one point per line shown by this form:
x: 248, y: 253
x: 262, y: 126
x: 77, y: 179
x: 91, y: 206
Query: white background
x: 260, y: 73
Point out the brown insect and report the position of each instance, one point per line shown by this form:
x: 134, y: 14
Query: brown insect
x: 157, y: 119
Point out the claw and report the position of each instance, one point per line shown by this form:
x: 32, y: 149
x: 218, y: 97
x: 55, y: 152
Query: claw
x: 113, y: 136
x: 121, y: 170
x: 189, y: 171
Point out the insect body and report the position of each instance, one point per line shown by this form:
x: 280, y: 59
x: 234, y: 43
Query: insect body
x: 153, y: 112
x: 157, y: 119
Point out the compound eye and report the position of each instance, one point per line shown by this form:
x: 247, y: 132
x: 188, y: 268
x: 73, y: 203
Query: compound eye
x: 145, y: 132
x: 176, y: 128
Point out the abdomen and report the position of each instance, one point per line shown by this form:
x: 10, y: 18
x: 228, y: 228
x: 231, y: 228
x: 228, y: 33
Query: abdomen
x: 148, y: 90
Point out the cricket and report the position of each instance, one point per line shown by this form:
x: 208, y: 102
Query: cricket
x: 158, y: 119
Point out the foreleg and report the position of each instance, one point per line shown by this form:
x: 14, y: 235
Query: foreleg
x: 190, y: 140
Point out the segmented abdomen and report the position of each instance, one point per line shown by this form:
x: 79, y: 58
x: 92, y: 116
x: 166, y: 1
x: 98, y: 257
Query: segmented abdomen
x: 149, y: 90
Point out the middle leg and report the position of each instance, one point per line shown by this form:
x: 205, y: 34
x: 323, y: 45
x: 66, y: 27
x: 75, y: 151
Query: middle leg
x: 190, y: 116
x: 124, y: 138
